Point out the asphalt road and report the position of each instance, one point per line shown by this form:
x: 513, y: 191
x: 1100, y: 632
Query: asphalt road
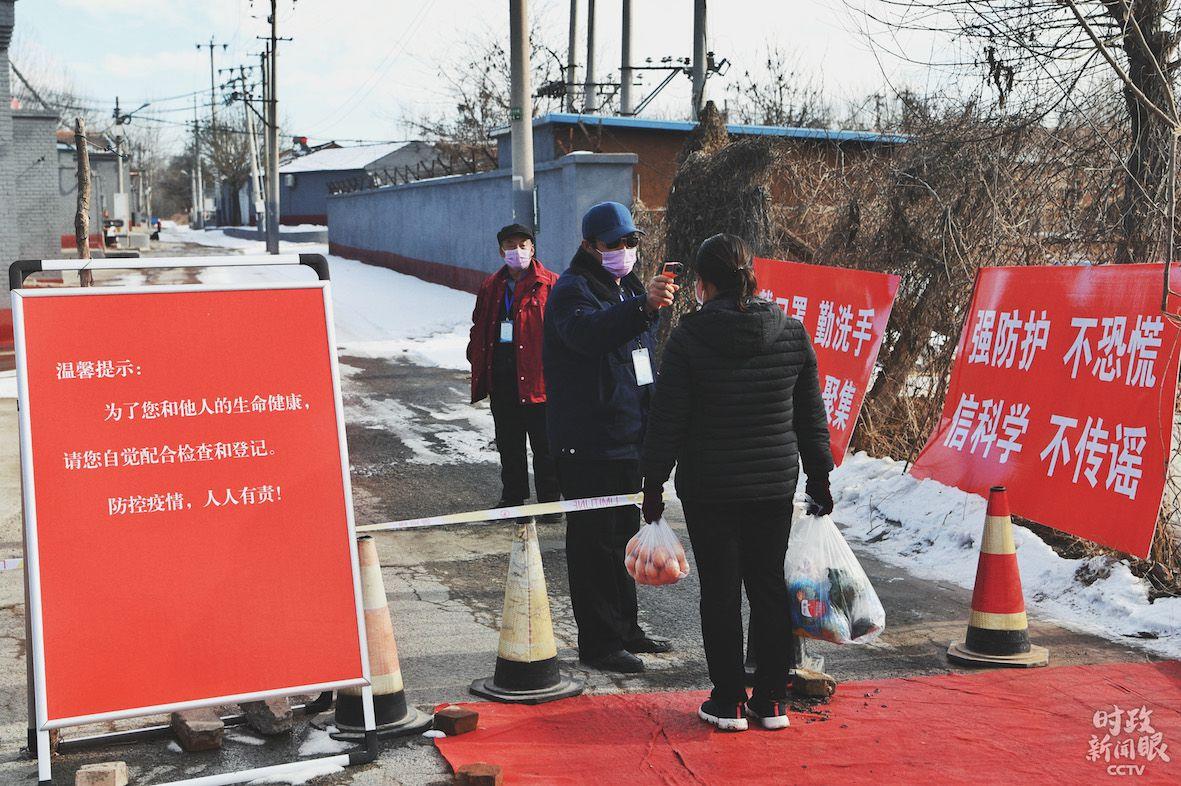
x: 445, y: 586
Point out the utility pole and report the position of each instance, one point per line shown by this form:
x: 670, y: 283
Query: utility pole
x: 273, y: 134
x: 573, y: 42
x: 252, y: 143
x: 122, y: 201
x: 212, y: 86
x: 139, y: 154
x: 212, y: 45
x: 699, y: 58
x: 521, y: 114
x: 265, y: 159
x: 199, y: 204
x: 589, y: 103
x: 120, y: 185
x: 626, y: 75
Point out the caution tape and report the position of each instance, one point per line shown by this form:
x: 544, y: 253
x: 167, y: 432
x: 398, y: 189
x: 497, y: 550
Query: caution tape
x: 517, y: 511
x: 472, y: 517
x: 11, y: 564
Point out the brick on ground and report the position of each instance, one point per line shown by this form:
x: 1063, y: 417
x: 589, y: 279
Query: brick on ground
x: 269, y: 716
x: 479, y: 774
x: 107, y: 773
x: 813, y: 684
x: 456, y: 720
x: 198, y: 730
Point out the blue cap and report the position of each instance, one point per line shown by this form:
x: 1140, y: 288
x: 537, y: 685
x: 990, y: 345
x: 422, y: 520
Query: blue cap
x: 608, y: 221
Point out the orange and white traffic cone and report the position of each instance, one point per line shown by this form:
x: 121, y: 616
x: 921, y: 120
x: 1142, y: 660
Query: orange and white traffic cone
x: 394, y: 717
x: 527, y: 659
x: 998, y: 630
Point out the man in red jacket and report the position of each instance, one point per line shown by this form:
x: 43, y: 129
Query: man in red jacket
x: 505, y: 353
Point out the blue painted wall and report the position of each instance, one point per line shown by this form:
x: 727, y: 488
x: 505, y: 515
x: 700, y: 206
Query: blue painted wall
x: 444, y: 229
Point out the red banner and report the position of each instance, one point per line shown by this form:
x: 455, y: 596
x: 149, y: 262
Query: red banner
x: 845, y: 312
x: 184, y: 474
x: 1063, y: 391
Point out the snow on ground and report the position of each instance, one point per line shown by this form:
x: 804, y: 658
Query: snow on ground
x: 377, y: 312
x: 932, y: 531
x: 180, y: 233
x: 452, y: 435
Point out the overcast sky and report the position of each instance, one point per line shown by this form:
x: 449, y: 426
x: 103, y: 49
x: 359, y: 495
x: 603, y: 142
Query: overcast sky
x: 361, y: 69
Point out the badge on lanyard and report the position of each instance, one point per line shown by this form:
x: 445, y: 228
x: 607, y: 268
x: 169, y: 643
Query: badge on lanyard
x: 643, y: 366
x: 506, y: 327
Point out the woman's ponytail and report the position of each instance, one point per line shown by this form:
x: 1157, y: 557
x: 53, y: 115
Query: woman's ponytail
x: 747, y: 286
x: 725, y: 261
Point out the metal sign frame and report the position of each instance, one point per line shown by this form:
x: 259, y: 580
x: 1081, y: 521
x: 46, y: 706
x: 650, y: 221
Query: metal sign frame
x: 40, y: 723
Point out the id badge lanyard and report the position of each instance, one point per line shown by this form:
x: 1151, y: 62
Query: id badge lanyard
x: 506, y: 326
x: 641, y: 361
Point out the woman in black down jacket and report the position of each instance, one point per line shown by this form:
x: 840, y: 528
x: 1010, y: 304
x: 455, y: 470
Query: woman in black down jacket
x: 736, y: 408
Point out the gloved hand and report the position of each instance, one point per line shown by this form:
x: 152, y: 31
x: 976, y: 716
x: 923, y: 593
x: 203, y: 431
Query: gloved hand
x: 653, y: 506
x: 818, y: 489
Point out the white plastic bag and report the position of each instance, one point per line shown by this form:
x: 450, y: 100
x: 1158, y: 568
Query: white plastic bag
x: 654, y: 555
x: 831, y: 597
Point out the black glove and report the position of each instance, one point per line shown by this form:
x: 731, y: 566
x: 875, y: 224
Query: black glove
x: 821, y: 495
x: 653, y: 506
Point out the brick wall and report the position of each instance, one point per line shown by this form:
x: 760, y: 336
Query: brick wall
x: 8, y: 247
x: 35, y: 185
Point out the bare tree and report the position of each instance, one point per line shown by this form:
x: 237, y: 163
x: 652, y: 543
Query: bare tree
x: 780, y: 94
x: 1069, y: 49
x: 478, y: 85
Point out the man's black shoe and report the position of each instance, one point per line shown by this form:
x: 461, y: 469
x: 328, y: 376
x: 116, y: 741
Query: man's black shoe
x: 648, y: 644
x: 550, y: 518
x: 621, y: 661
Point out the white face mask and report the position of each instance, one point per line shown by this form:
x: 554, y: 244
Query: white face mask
x: 620, y: 261
x: 699, y: 292
x: 518, y: 258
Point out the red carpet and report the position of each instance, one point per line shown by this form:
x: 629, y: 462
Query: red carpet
x: 990, y: 727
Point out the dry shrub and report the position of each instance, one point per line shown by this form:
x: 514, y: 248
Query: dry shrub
x: 967, y: 190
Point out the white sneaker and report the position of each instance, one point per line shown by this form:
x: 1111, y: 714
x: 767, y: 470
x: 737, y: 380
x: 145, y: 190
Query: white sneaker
x: 770, y: 715
x: 726, y: 717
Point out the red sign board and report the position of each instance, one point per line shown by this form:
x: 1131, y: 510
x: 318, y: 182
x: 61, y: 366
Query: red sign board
x: 1063, y: 391
x: 187, y: 497
x: 845, y: 312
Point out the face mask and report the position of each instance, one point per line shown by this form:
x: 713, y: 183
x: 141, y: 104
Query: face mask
x: 619, y: 262
x: 517, y: 258
x: 699, y: 293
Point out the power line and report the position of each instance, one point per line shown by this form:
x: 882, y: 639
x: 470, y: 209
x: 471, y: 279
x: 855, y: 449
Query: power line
x: 365, y: 88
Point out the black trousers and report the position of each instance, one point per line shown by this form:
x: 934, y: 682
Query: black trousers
x: 736, y: 544
x: 514, y: 422
x: 602, y: 593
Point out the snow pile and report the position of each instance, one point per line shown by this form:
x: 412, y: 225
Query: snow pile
x: 933, y: 532
x: 320, y: 743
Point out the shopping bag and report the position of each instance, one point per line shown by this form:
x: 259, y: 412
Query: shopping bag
x: 655, y: 555
x: 830, y: 595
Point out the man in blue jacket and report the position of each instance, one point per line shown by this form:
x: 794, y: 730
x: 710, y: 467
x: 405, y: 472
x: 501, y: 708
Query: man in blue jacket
x: 600, y: 327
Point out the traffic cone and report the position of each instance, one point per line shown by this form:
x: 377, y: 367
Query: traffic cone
x: 527, y: 659
x: 394, y: 717
x: 998, y: 630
